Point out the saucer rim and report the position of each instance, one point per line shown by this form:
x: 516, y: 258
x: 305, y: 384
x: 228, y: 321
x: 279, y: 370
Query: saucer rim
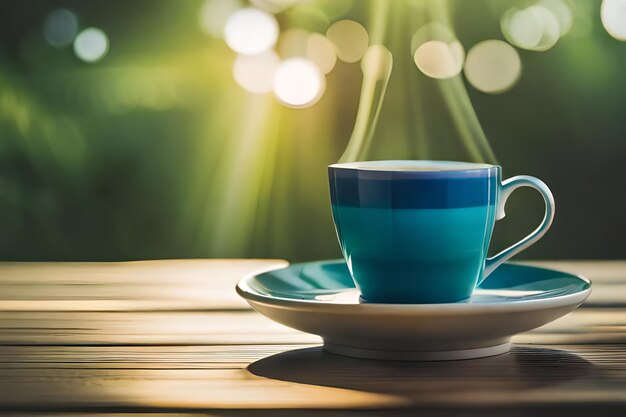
x: 246, y: 292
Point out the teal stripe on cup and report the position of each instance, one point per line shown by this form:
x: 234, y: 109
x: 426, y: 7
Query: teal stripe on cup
x: 419, y: 231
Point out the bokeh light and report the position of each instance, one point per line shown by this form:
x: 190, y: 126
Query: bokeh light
x: 308, y: 16
x: 321, y: 51
x: 432, y: 32
x: 313, y: 46
x: 583, y: 19
x: 60, y: 28
x: 270, y: 6
x: 298, y: 82
x: 562, y: 12
x: 377, y: 63
x: 251, y: 31
x: 292, y: 43
x: 255, y: 73
x: 613, y: 15
x: 493, y: 66
x: 534, y: 28
x: 214, y: 15
x: 436, y: 51
x: 350, y: 39
x: 438, y: 59
x: 335, y: 9
x: 91, y: 45
x: 274, y: 6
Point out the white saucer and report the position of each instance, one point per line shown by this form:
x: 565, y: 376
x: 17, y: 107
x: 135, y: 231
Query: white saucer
x: 320, y: 298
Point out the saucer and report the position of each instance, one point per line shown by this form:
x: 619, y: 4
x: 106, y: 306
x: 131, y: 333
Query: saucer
x: 321, y: 298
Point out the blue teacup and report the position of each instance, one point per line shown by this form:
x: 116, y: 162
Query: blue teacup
x: 419, y: 231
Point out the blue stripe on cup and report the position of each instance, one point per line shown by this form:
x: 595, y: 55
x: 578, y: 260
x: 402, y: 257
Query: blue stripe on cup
x: 413, y: 189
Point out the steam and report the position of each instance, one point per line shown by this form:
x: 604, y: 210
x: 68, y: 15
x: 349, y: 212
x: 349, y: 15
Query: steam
x: 435, y: 118
x: 376, y: 66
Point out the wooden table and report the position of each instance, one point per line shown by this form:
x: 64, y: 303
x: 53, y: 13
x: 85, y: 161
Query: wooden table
x: 173, y: 337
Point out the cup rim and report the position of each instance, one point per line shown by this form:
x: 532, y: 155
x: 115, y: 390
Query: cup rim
x: 382, y: 166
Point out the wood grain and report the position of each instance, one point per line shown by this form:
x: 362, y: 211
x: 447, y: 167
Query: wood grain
x: 179, y: 285
x: 311, y: 378
x: 585, y: 325
x: 144, y: 328
x: 172, y: 336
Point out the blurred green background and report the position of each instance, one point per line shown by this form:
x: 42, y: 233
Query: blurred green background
x: 147, y: 147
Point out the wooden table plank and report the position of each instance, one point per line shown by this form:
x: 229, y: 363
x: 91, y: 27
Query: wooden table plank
x: 144, y: 328
x: 311, y: 378
x: 245, y: 327
x: 58, y: 389
x: 565, y: 410
x: 191, y: 284
x: 137, y: 357
x: 202, y: 285
x: 197, y: 284
x: 173, y: 336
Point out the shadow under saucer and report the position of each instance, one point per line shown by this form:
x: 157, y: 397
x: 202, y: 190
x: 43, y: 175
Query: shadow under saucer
x: 521, y: 370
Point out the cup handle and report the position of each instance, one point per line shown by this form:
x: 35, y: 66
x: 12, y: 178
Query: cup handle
x: 508, y: 187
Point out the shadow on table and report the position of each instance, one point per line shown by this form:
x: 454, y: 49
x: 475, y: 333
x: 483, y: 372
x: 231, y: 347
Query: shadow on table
x: 522, y: 369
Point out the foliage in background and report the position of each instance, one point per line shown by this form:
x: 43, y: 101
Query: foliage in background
x: 155, y: 151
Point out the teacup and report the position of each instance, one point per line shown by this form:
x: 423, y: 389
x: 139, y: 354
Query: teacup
x: 419, y: 231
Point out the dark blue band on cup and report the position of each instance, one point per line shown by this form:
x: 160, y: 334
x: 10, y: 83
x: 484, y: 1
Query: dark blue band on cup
x: 413, y: 189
